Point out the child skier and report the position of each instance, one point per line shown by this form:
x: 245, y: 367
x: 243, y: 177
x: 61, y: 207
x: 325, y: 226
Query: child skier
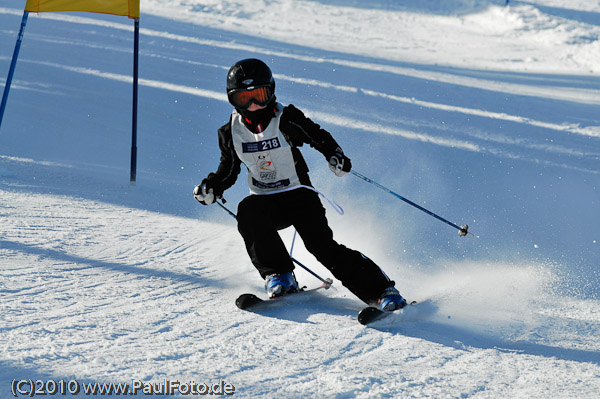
x: 265, y: 135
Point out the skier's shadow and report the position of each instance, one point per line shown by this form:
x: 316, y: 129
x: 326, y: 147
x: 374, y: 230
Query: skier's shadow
x: 80, y: 262
x: 301, y: 308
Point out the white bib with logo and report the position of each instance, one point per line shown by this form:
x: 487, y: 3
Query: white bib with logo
x: 267, y: 155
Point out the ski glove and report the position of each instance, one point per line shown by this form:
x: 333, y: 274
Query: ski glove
x: 204, y: 195
x: 339, y: 163
x: 208, y: 191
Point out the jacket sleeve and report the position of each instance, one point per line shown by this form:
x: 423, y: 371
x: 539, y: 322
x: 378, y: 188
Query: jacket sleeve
x: 229, y: 166
x: 301, y: 130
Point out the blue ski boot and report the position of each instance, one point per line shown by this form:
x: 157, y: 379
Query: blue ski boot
x: 391, y: 300
x: 280, y: 284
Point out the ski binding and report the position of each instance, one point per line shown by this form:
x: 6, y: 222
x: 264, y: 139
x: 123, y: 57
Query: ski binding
x: 250, y: 301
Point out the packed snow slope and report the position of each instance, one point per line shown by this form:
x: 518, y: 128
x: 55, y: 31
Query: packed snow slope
x: 487, y: 115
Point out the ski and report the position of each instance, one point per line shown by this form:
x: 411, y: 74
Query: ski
x: 371, y: 314
x: 246, y: 301
x: 250, y: 301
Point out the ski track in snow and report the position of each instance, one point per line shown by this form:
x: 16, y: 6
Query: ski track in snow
x: 111, y: 283
x: 490, y: 139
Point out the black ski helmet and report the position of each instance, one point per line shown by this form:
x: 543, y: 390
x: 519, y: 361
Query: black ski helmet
x: 249, y: 74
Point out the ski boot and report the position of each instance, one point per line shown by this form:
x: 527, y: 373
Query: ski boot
x: 280, y: 284
x: 391, y: 300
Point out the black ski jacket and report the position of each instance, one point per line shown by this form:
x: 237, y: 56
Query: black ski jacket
x: 296, y: 128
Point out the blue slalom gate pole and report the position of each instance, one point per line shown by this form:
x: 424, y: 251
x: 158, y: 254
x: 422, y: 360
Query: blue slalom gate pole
x: 462, y: 230
x: 327, y: 282
x: 13, y: 63
x: 134, y: 113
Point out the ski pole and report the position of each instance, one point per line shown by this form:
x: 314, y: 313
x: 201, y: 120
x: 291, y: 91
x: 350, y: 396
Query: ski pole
x: 462, y: 230
x: 327, y: 282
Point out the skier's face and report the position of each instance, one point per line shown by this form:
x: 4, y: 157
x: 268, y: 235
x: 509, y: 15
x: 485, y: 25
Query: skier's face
x: 255, y: 107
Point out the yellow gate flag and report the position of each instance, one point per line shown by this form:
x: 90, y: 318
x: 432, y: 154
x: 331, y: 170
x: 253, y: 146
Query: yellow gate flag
x: 130, y: 8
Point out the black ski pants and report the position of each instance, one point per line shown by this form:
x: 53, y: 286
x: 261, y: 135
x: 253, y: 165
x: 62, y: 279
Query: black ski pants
x: 261, y: 216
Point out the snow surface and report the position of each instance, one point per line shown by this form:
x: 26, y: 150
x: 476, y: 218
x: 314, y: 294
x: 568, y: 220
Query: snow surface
x: 484, y: 114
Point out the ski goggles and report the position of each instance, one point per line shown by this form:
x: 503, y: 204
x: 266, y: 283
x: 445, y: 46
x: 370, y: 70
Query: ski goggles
x: 242, y: 98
